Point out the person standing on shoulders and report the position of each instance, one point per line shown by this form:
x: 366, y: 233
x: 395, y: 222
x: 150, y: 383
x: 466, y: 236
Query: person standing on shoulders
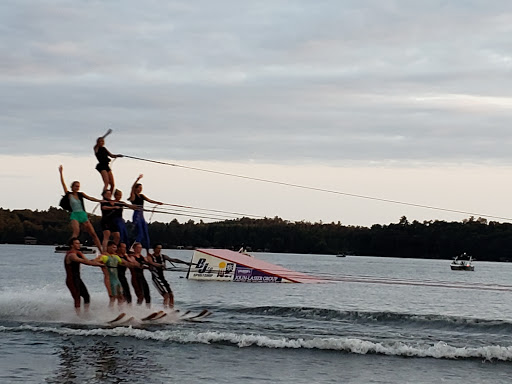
x: 75, y: 204
x: 74, y: 282
x: 103, y: 166
x: 122, y: 235
x: 137, y: 199
x: 108, y: 219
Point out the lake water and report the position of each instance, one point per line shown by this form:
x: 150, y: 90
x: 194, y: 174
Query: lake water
x: 378, y: 320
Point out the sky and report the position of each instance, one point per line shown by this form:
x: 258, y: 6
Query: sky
x: 405, y: 101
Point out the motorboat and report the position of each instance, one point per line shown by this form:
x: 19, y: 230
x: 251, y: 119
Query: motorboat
x: 462, y: 263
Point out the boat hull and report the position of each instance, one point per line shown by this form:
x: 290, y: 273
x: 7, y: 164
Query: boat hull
x: 462, y: 267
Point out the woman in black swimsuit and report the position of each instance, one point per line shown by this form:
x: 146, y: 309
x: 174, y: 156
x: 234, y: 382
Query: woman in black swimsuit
x: 103, y: 156
x: 140, y: 285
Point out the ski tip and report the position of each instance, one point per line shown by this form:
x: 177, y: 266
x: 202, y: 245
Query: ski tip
x: 121, y: 315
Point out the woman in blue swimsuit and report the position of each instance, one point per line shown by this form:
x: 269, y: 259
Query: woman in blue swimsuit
x: 137, y: 199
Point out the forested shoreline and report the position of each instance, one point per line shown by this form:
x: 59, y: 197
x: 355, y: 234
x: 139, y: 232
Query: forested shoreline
x: 435, y: 239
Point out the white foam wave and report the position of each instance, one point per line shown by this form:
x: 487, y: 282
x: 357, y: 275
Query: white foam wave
x: 439, y: 350
x: 50, y: 306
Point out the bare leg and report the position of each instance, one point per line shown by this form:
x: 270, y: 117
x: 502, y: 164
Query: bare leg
x: 111, y: 180
x: 88, y: 226
x: 75, y: 226
x: 116, y: 236
x: 106, y: 179
x: 106, y: 238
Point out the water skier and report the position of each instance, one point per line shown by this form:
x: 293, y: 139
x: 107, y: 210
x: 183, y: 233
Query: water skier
x: 76, y: 206
x: 74, y: 282
x: 156, y: 263
x: 137, y: 199
x: 111, y: 260
x: 103, y: 155
x: 121, y: 271
x: 140, y: 285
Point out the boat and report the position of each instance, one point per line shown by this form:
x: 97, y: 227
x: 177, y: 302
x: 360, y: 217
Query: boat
x: 462, y: 263
x: 84, y: 250
x: 341, y: 255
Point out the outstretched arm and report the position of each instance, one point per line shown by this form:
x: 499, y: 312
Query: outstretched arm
x: 151, y: 201
x: 112, y: 155
x: 177, y: 261
x: 131, y: 206
x: 150, y: 261
x: 91, y: 198
x: 61, y: 170
x: 84, y: 260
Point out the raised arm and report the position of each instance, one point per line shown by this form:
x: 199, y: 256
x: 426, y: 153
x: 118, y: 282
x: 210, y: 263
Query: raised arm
x: 61, y: 171
x: 132, y: 193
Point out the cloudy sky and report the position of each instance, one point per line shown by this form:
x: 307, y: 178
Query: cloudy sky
x: 407, y: 101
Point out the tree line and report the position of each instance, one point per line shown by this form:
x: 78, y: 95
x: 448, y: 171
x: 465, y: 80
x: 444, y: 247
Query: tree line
x: 434, y: 239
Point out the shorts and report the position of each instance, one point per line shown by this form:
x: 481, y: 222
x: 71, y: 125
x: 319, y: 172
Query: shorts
x: 80, y: 216
x: 116, y: 288
x: 103, y: 167
x: 109, y: 225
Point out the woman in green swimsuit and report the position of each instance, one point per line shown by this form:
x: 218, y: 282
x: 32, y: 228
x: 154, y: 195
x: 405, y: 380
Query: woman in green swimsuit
x: 111, y: 260
x: 78, y: 215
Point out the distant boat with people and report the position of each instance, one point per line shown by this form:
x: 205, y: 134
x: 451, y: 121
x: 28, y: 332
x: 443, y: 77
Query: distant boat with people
x: 462, y: 263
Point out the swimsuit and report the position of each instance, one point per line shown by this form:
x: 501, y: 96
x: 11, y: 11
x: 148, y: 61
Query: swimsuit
x: 139, y: 222
x: 121, y: 274
x: 74, y: 282
x: 119, y: 222
x: 103, y: 160
x: 157, y: 275
x: 112, y: 261
x: 107, y: 218
x: 77, y: 207
x: 140, y: 285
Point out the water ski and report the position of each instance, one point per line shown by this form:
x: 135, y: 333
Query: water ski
x: 160, y: 315
x: 200, y: 316
x: 183, y: 315
x: 127, y: 321
x: 153, y: 315
x: 121, y: 315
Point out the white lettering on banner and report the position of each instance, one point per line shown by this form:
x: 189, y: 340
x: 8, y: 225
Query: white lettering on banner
x: 203, y: 274
x: 257, y: 279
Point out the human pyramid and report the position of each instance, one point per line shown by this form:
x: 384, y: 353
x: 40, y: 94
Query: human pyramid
x: 114, y: 258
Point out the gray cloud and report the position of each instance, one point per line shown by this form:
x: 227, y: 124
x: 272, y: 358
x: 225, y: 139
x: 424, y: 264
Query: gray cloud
x: 325, y: 81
